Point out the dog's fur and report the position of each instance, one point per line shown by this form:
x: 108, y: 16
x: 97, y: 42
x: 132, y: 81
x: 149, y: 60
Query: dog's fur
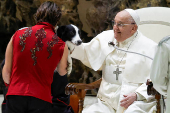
x: 71, y: 35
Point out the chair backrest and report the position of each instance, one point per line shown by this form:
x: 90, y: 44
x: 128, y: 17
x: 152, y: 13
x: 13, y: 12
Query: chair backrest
x: 155, y: 22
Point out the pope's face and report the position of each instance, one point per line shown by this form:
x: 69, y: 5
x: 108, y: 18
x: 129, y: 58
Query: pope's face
x: 123, y: 27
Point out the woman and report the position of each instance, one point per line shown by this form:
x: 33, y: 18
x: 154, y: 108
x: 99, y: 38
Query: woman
x: 31, y: 57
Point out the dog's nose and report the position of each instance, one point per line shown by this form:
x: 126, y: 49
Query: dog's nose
x: 79, y: 42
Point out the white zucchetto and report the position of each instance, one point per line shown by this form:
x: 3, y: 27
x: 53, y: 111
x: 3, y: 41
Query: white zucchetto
x: 134, y: 15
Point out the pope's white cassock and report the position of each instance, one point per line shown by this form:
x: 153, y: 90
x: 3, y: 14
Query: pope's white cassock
x: 132, y: 75
x: 160, y: 73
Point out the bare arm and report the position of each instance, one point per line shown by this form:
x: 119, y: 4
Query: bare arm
x: 6, y: 72
x: 62, y: 65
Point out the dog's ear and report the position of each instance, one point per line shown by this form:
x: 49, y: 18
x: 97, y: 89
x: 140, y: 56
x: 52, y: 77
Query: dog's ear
x: 60, y: 31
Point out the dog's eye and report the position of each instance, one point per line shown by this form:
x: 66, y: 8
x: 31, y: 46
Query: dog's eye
x: 71, y: 33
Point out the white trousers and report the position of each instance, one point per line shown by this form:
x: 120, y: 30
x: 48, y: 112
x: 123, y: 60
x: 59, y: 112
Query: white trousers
x: 136, y: 107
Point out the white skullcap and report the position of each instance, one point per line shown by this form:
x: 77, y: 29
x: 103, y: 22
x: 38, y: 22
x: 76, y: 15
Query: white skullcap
x: 134, y: 15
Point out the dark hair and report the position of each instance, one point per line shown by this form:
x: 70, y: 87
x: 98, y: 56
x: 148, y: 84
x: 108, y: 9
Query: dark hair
x: 48, y: 12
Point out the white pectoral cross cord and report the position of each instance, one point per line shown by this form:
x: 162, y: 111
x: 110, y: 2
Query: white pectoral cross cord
x: 117, y: 72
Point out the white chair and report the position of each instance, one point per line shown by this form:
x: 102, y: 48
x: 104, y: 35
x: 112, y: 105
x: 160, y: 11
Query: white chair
x: 155, y: 24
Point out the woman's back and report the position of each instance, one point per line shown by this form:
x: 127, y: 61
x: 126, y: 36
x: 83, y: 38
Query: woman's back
x: 36, y: 53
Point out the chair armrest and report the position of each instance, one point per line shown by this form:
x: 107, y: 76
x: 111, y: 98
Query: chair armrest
x: 80, y: 90
x: 75, y: 88
x: 151, y: 91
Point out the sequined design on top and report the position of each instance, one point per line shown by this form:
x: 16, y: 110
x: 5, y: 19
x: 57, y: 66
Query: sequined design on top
x: 50, y: 44
x: 27, y: 33
x: 40, y: 35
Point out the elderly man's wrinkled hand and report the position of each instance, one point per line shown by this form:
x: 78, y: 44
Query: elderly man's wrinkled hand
x: 128, y: 100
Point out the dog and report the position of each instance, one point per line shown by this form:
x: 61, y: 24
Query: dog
x: 71, y: 35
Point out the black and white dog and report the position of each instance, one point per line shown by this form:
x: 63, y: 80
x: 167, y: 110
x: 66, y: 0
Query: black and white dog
x: 71, y: 35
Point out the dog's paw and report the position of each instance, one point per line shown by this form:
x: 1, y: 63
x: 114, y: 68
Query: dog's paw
x: 69, y: 64
x: 69, y: 68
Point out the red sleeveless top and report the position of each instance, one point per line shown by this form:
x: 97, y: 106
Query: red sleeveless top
x: 36, y: 53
